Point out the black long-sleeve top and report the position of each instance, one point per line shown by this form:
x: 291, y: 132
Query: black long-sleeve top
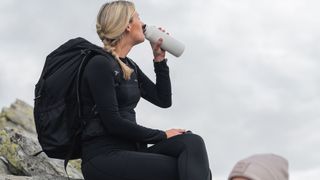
x: 115, y: 99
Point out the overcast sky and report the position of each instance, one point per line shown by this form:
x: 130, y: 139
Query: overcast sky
x: 248, y: 81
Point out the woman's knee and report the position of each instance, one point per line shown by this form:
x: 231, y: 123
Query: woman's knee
x: 192, y: 139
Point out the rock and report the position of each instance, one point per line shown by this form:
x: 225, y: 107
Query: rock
x: 11, y: 177
x: 19, y: 115
x: 18, y: 143
x: 3, y: 166
x: 44, y: 177
x: 18, y: 150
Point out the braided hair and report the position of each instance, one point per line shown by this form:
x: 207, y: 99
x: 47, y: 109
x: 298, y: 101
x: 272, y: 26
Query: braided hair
x: 112, y: 21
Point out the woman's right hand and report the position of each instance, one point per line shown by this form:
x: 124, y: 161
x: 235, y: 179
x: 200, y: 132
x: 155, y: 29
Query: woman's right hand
x: 174, y: 132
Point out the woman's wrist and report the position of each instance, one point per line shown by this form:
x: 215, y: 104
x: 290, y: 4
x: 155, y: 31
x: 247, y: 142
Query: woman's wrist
x: 159, y: 59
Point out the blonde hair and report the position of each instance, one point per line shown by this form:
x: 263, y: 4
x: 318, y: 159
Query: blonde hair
x: 112, y: 20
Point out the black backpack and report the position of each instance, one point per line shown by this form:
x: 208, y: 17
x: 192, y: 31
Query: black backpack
x: 57, y: 105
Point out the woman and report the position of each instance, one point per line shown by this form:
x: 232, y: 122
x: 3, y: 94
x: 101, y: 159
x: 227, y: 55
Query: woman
x: 114, y: 146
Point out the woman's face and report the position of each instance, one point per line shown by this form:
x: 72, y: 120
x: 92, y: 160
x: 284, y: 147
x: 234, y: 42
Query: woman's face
x: 136, y: 31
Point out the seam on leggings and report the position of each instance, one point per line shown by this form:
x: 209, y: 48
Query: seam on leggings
x: 187, y: 160
x: 187, y: 152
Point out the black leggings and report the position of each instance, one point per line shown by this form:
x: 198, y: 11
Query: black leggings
x: 182, y: 157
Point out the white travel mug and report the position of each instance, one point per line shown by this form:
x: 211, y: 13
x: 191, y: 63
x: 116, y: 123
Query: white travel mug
x: 173, y: 46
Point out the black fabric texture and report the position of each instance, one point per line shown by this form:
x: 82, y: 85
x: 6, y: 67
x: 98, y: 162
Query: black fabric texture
x: 115, y: 99
x: 181, y: 157
x: 56, y: 106
x: 114, y: 145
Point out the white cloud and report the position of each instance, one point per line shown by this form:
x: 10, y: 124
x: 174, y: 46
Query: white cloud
x: 308, y: 174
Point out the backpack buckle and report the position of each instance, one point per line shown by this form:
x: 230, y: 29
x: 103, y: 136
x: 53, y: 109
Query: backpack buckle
x: 85, y: 51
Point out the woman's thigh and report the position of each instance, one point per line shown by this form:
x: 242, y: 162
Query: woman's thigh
x: 131, y: 165
x: 175, y: 145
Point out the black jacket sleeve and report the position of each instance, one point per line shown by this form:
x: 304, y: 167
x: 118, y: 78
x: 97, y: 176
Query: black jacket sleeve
x: 159, y: 93
x: 100, y: 78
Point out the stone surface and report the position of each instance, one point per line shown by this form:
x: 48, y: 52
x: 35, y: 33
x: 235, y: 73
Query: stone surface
x: 18, y: 143
x: 43, y: 177
x: 20, y: 114
x: 3, y: 166
x: 11, y: 177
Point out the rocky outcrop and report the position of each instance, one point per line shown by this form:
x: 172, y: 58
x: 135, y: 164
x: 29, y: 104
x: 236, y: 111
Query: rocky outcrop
x: 18, y: 144
x: 19, y: 115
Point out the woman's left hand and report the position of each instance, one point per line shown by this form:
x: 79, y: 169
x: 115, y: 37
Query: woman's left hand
x: 158, y: 53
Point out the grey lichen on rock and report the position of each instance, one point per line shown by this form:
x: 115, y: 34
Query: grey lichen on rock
x: 18, y: 143
x: 43, y: 177
x: 18, y: 150
x: 8, y: 150
x: 11, y: 177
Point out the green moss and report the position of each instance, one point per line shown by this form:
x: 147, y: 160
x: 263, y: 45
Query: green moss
x: 76, y: 164
x: 9, y: 149
x: 3, y: 121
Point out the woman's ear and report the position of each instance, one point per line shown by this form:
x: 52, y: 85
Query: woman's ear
x: 128, y: 28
